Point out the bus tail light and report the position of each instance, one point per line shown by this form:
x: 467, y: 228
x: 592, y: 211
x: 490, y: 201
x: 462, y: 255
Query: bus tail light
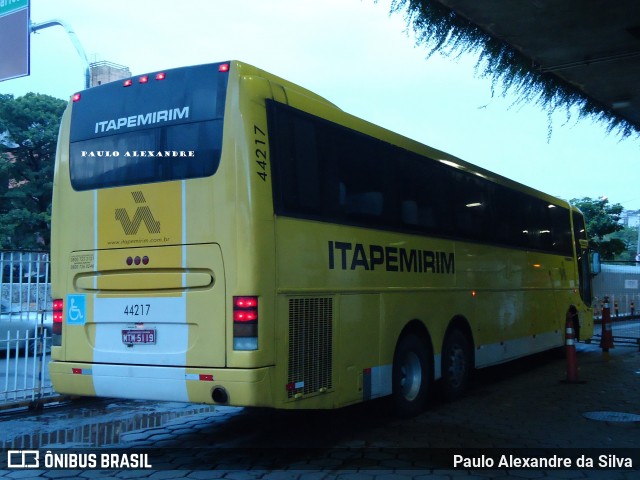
x: 56, y: 330
x: 245, y: 323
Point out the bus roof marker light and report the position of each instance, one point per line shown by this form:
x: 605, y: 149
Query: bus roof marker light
x: 127, y: 83
x: 76, y: 97
x: 161, y: 76
x: 143, y: 79
x: 223, y: 67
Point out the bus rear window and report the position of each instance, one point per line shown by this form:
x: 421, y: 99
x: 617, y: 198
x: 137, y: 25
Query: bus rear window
x: 174, y: 152
x: 149, y: 131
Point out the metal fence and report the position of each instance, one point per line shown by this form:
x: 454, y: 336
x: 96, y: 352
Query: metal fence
x: 619, y: 282
x: 26, y: 323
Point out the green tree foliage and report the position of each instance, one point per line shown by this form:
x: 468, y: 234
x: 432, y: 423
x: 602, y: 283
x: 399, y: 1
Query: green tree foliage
x: 628, y: 236
x: 28, y: 133
x: 602, y: 220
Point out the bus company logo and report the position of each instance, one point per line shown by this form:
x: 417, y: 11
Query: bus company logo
x: 142, y: 119
x: 143, y: 214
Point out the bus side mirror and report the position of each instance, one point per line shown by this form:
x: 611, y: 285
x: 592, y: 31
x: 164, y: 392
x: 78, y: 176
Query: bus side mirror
x: 595, y: 263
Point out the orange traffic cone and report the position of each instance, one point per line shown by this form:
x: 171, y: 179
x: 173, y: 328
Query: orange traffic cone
x: 570, y: 349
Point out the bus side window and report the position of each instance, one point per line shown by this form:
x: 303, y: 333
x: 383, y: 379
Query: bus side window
x: 415, y: 215
x: 342, y: 194
x: 366, y: 203
x: 409, y: 212
x: 308, y: 173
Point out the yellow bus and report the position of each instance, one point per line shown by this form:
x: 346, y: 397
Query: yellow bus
x: 221, y: 235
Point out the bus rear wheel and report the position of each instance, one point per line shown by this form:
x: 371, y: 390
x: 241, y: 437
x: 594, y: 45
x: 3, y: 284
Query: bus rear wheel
x: 456, y: 365
x: 411, y: 373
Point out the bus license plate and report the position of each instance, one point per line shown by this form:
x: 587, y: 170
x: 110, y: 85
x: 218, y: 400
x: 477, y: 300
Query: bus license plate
x: 139, y: 337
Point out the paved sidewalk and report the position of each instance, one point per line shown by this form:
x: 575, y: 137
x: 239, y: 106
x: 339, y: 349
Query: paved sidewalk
x: 523, y: 405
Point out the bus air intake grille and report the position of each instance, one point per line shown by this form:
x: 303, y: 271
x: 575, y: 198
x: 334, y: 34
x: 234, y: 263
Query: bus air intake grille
x: 310, y: 346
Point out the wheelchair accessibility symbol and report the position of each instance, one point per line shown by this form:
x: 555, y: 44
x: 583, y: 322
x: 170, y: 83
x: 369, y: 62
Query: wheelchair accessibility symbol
x: 76, y: 310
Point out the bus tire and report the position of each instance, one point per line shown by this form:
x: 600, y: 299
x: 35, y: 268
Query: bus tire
x: 410, y: 377
x: 457, y: 365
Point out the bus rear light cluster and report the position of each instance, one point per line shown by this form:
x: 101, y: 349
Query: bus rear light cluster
x: 245, y: 323
x: 243, y: 316
x: 58, y: 308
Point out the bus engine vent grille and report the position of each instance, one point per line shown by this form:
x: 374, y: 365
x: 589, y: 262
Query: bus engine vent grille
x: 310, y: 346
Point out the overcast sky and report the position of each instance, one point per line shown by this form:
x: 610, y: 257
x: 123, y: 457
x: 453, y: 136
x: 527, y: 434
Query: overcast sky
x: 356, y: 55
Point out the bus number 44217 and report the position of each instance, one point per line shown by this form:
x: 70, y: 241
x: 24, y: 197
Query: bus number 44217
x: 261, y: 151
x: 137, y: 310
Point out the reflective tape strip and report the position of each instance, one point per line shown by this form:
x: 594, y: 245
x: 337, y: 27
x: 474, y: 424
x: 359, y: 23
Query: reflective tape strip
x: 81, y: 371
x: 569, y: 342
x: 199, y: 377
x: 376, y: 381
x: 569, y: 331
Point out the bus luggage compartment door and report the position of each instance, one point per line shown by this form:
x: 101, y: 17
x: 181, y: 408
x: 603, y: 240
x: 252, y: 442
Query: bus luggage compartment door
x: 166, y: 310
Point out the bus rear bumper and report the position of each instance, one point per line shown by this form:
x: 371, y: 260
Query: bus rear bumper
x: 244, y: 387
